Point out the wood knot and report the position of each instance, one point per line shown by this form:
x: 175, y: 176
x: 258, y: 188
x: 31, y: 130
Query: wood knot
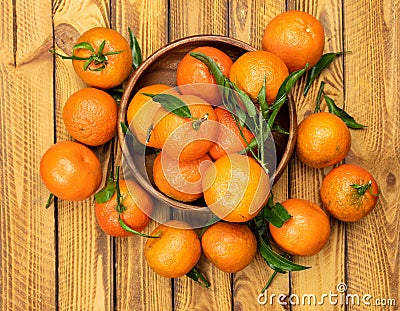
x: 307, y: 113
x: 241, y: 14
x: 390, y: 179
x: 65, y: 36
x: 238, y: 306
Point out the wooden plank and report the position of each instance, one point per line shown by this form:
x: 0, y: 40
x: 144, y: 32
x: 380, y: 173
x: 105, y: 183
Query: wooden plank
x: 191, y: 18
x: 372, y: 98
x: 137, y: 286
x: 27, y: 229
x: 148, y: 20
x: 248, y: 20
x: 85, y: 253
x: 327, y: 266
x: 194, y: 17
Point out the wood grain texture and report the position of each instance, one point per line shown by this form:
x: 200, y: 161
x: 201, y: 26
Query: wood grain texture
x: 328, y: 265
x: 191, y: 18
x: 148, y: 20
x: 27, y: 229
x: 85, y: 257
x: 372, y: 97
x: 137, y: 286
x: 248, y: 20
x: 58, y: 259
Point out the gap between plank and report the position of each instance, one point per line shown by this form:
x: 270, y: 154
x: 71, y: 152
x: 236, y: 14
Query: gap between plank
x: 55, y: 199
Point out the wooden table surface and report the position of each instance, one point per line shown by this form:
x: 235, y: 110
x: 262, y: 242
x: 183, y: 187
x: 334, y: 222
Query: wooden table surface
x: 59, y: 259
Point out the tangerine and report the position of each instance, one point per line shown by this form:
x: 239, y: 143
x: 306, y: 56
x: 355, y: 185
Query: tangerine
x: 194, y: 78
x: 141, y: 111
x: 250, y: 69
x: 187, y: 139
x: 229, y: 246
x: 235, y: 188
x: 175, y: 252
x: 111, y: 64
x: 349, y: 192
x: 232, y: 137
x: 179, y: 180
x: 296, y: 37
x: 71, y: 171
x: 323, y: 140
x: 306, y: 232
x: 137, y: 206
x: 90, y: 116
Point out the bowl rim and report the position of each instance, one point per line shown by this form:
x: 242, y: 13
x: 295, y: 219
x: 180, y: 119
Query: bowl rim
x: 289, y: 149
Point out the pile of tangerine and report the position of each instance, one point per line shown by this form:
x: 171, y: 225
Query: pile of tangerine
x: 197, y: 158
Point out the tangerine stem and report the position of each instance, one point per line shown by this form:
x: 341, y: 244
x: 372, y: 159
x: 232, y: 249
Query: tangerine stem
x: 98, y: 58
x: 196, y: 124
x: 361, y: 189
x: 269, y: 282
x: 120, y: 206
x: 49, y: 200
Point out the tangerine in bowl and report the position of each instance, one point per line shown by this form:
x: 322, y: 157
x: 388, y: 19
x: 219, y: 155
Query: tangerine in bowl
x: 158, y: 75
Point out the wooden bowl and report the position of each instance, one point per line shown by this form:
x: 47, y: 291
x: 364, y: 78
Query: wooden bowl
x: 161, y: 67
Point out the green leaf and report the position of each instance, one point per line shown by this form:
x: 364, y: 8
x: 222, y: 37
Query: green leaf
x: 101, y: 47
x: 261, y: 225
x: 261, y: 133
x: 289, y: 82
x: 319, y: 97
x: 120, y: 207
x: 172, y: 104
x: 149, y: 131
x: 223, y: 81
x: 283, y: 92
x: 275, y: 268
x: 136, y: 51
x: 87, y: 63
x: 277, y: 260
x: 274, y: 260
x: 209, y: 223
x: 361, y: 189
x: 250, y: 146
x: 125, y: 129
x: 276, y: 214
x: 246, y: 100
x: 116, y: 93
x: 239, y: 115
x: 220, y: 79
x: 53, y: 51
x: 84, y: 45
x: 129, y: 229
x: 114, y: 52
x: 196, y: 276
x: 106, y: 193
x: 349, y: 120
x: 323, y: 63
x: 279, y: 129
x: 262, y: 101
